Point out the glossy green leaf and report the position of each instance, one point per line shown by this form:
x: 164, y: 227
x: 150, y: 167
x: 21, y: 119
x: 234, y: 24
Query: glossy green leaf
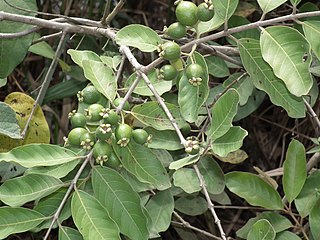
x: 295, y: 2
x: 18, y: 191
x: 286, y: 235
x: 288, y: 53
x: 91, y: 218
x: 17, y: 220
x: 191, y: 98
x: 217, y: 67
x: 294, y: 170
x: 314, y: 219
x: 166, y: 139
x: 8, y: 122
x: 102, y: 77
x: 269, y: 5
x: 223, y: 112
x: 261, y: 230
x: 187, y: 179
x: 264, y: 79
x: 254, y: 190
x: 138, y: 36
x: 67, y: 233
x: 160, y: 208
x: 212, y: 174
x: 213, y: 24
x: 191, y: 159
x: 34, y: 155
x: 13, y: 51
x: 225, y: 8
x: 229, y: 142
x: 121, y: 201
x: 151, y: 114
x: 191, y: 206
x: 78, y: 56
x: 278, y: 222
x: 142, y: 163
x: 309, y: 194
x: 142, y: 89
x: 311, y: 30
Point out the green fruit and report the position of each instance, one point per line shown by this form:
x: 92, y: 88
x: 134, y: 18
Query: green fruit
x: 140, y: 136
x: 195, y: 74
x: 176, y: 30
x: 113, y: 161
x: 87, y: 141
x: 112, y: 118
x: 118, y: 101
x: 186, y: 13
x: 94, y: 112
x: 192, y: 145
x: 168, y: 72
x: 123, y: 134
x: 89, y: 95
x: 78, y: 120
x: 101, y: 152
x: 104, y: 132
x: 205, y: 12
x: 170, y: 51
x: 74, y: 136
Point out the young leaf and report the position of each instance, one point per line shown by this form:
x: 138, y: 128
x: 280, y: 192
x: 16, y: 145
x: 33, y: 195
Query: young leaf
x: 67, y: 233
x: 294, y: 170
x: 264, y: 79
x: 138, y: 36
x: 262, y: 229
x: 160, y: 208
x: 102, y: 77
x: 223, y: 112
x: 314, y: 220
x: 229, y: 142
x: 254, y: 190
x: 16, y: 220
x: 8, y: 122
x: 165, y: 139
x: 286, y: 235
x: 269, y: 5
x: 190, y: 97
x: 288, y: 53
x: 34, y: 155
x: 312, y: 33
x: 225, y: 8
x: 91, y: 218
x: 78, y: 56
x: 121, y: 201
x: 191, y: 206
x: 191, y: 159
x: 18, y: 191
x: 141, y: 162
x: 186, y: 178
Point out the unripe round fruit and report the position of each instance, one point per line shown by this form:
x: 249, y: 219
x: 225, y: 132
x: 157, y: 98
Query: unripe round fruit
x: 90, y: 94
x: 140, y: 136
x: 93, y: 112
x: 113, y: 118
x: 186, y: 13
x: 78, y: 120
x: 74, y: 136
x: 205, y: 12
x: 87, y: 141
x: 113, y: 161
x: 168, y: 72
x: 170, y: 51
x: 117, y: 102
x: 123, y: 134
x: 101, y: 151
x: 176, y: 30
x: 194, y: 74
x: 104, y: 132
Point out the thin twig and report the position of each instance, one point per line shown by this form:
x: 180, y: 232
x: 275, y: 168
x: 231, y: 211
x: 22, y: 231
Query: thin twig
x: 66, y: 196
x: 19, y: 34
x: 210, y: 204
x: 117, y: 8
x: 105, y: 12
x: 312, y: 113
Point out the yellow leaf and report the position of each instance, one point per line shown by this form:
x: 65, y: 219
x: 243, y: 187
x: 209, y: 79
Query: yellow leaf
x: 234, y: 157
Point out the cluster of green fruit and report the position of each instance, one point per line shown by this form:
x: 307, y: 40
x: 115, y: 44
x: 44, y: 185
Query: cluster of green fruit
x: 95, y: 126
x: 188, y: 15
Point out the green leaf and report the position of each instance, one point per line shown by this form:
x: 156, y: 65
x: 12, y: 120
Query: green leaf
x: 151, y: 114
x: 160, y: 208
x: 164, y: 156
x: 10, y: 170
x: 18, y: 191
x: 166, y: 139
x: 187, y: 179
x: 91, y: 218
x: 142, y: 89
x: 294, y: 170
x: 17, y: 220
x: 278, y: 222
x: 112, y: 62
x: 142, y: 163
x: 102, y: 77
x: 262, y: 230
x: 269, y: 5
x: 78, y: 56
x: 34, y: 155
x: 191, y: 98
x: 254, y: 190
x: 192, y: 206
x: 217, y: 67
x: 13, y: 51
x: 121, y: 201
x: 213, y: 24
x: 138, y: 36
x: 212, y: 174
x: 309, y: 194
x: 190, y: 159
x: 288, y: 53
x: 3, y: 82
x: 8, y: 122
x: 311, y: 31
x: 264, y: 79
x: 286, y: 235
x: 67, y: 233
x: 223, y: 112
x: 225, y: 8
x: 229, y: 142
x: 295, y: 2
x: 314, y: 219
